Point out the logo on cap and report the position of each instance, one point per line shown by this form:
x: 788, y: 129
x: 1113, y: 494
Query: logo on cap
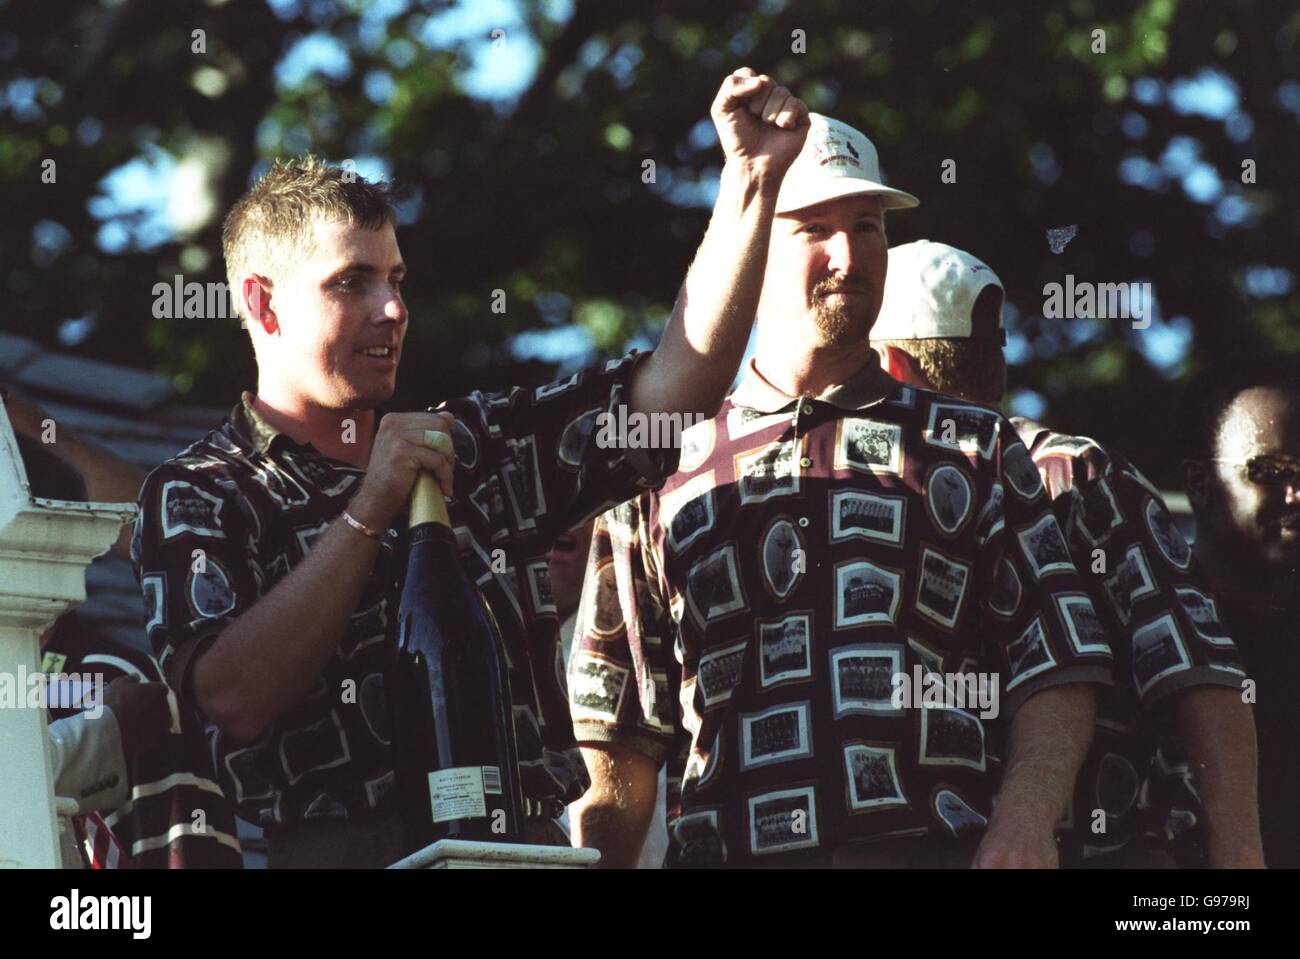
x: 830, y: 149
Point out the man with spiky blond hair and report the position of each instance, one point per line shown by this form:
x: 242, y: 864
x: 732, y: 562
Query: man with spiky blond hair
x: 263, y: 550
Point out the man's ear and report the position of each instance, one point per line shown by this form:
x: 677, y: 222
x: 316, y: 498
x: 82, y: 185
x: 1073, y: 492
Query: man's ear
x: 1199, y: 481
x: 255, y: 294
x: 901, y: 365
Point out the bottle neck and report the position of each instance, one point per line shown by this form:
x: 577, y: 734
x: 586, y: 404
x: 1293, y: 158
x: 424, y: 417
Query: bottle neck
x: 427, y: 503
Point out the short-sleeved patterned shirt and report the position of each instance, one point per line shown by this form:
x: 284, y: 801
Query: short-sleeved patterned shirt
x: 1167, y: 635
x: 254, y: 501
x: 808, y: 551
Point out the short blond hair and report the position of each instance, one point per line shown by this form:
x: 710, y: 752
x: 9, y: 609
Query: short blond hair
x: 272, y: 221
x: 974, y: 368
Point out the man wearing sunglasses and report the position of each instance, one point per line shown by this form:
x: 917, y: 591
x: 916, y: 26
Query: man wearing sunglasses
x: 1244, y: 486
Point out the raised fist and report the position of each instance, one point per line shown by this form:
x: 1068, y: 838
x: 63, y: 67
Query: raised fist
x: 758, y: 122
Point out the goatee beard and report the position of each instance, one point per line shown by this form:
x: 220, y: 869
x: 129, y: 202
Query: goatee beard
x: 841, y: 323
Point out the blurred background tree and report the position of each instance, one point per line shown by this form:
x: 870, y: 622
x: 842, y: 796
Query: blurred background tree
x: 519, y: 135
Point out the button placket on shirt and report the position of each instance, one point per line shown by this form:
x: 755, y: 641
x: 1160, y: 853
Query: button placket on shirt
x: 802, y: 407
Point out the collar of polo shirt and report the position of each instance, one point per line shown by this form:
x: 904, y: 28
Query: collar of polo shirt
x: 868, y: 386
x: 261, y: 434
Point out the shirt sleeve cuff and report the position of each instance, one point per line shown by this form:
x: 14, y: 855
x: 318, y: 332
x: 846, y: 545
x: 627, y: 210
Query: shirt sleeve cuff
x: 178, y: 668
x: 652, y: 748
x: 1158, y: 695
x: 1098, y: 675
x: 654, y: 466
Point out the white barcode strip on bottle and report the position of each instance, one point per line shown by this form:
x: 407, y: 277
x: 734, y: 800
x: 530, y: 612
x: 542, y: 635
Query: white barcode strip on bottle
x: 492, y: 780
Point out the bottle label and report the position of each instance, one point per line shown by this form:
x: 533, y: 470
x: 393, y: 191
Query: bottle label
x: 457, y: 793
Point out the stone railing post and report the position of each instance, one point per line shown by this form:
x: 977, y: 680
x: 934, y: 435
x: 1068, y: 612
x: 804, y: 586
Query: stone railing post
x: 45, y: 546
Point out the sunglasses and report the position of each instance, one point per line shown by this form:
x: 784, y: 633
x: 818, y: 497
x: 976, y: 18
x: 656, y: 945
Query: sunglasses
x: 1269, y: 469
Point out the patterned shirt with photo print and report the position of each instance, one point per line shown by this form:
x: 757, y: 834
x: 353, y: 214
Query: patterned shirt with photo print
x: 745, y: 625
x: 224, y: 521
x: 1166, y: 634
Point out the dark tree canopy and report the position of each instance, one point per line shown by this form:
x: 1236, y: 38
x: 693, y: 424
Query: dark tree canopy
x: 1173, y: 151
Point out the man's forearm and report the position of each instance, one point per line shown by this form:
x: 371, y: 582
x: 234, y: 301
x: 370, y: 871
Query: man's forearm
x: 614, y: 815
x: 268, y: 658
x: 1219, y: 733
x: 1050, y: 734
x: 702, y: 345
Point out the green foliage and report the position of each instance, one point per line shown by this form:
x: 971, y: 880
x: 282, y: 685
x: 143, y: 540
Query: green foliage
x: 544, y: 194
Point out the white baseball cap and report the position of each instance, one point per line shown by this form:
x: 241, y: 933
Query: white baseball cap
x: 930, y: 293
x: 836, y: 161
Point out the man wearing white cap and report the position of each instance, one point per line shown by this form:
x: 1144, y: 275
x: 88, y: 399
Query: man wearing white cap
x: 940, y: 322
x: 264, y: 551
x: 832, y: 542
x: 940, y: 327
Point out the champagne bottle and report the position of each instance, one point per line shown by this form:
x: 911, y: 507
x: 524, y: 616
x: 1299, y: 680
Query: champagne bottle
x: 454, y: 737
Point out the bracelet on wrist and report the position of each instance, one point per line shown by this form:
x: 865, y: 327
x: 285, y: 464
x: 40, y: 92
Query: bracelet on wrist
x: 380, y: 538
